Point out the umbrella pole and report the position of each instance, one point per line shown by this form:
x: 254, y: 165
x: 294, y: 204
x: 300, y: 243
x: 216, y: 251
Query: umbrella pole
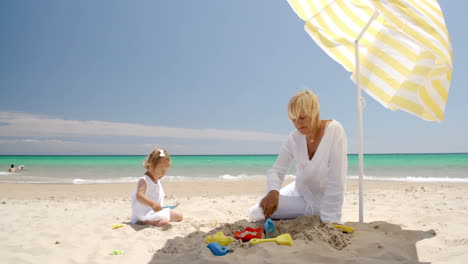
x: 360, y: 137
x: 359, y: 106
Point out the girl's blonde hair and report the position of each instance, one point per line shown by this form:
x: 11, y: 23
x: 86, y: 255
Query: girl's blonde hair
x: 156, y: 157
x: 304, y: 102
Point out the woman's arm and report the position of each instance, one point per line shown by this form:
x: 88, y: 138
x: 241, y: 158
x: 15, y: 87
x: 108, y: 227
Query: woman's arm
x: 143, y: 199
x: 275, y: 178
x: 332, y: 201
x: 275, y: 175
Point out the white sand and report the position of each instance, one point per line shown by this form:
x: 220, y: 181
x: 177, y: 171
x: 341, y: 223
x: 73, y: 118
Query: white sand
x: 404, y: 223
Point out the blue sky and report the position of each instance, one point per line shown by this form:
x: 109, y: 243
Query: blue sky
x: 195, y: 77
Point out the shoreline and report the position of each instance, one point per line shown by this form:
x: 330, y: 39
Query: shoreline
x: 31, y: 191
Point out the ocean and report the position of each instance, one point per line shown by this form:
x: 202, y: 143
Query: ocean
x: 441, y: 167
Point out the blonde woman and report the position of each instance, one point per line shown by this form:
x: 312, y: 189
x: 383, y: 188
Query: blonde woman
x: 319, y: 150
x: 148, y: 198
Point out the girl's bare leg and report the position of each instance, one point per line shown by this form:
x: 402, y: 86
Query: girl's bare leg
x: 176, y: 216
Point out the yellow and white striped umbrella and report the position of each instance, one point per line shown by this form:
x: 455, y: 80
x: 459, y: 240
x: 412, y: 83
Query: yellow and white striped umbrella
x: 405, y: 54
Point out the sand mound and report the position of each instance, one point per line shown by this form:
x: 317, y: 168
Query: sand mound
x: 309, y: 228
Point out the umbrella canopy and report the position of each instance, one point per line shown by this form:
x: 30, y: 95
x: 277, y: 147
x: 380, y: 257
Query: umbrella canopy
x: 405, y: 54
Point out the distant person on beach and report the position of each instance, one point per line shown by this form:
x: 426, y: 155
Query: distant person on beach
x: 148, y: 198
x: 12, y: 168
x: 319, y: 150
x: 20, y: 167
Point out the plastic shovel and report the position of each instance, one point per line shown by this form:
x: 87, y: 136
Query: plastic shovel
x: 346, y: 229
x: 171, y: 206
x: 284, y: 239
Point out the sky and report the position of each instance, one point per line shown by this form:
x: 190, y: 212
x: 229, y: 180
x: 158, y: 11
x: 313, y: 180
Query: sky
x: 195, y: 77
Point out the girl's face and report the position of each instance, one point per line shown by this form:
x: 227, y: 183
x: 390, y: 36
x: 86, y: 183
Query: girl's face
x: 160, y: 170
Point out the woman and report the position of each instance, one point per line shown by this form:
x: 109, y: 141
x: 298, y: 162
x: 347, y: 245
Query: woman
x: 319, y: 150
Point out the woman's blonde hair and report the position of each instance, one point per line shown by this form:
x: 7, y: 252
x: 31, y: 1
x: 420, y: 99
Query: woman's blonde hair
x: 156, y: 157
x: 304, y: 102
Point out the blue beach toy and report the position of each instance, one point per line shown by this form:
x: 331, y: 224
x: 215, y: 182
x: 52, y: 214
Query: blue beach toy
x: 269, y: 228
x: 171, y: 206
x: 217, y: 249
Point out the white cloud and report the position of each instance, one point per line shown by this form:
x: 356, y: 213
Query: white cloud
x: 194, y: 147
x: 35, y: 141
x: 62, y: 147
x: 32, y: 125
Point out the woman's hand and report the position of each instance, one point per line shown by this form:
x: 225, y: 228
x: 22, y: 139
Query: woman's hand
x: 269, y: 204
x: 156, y: 207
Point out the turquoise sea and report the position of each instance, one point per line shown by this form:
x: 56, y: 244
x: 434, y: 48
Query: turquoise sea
x: 121, y: 169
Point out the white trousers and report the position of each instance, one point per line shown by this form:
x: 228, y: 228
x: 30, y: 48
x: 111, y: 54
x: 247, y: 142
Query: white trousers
x: 291, y: 204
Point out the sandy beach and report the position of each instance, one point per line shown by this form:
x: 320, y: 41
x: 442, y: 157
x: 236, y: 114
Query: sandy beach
x: 404, y: 223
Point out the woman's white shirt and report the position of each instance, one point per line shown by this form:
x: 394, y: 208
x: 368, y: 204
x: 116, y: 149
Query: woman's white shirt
x: 321, y: 181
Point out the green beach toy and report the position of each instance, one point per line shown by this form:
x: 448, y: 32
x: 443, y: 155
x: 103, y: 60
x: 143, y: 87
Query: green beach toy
x: 116, y: 252
x: 284, y: 239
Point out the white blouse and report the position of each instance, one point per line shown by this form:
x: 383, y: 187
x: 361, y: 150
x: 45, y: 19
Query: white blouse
x: 321, y: 181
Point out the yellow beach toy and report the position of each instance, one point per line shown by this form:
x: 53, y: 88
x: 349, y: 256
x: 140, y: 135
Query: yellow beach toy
x: 284, y: 239
x: 117, y: 226
x: 346, y: 229
x: 220, y: 238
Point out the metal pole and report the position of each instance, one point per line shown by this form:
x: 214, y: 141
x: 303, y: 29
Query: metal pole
x: 360, y: 137
x: 359, y: 106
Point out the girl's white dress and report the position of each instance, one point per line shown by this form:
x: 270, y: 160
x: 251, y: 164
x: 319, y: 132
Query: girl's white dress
x: 320, y: 182
x: 155, y: 192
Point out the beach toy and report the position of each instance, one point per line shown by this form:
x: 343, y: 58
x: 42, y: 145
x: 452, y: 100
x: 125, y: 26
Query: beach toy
x: 220, y: 238
x: 217, y: 249
x: 346, y: 229
x: 248, y: 233
x: 116, y: 252
x: 117, y: 226
x: 269, y: 228
x: 171, y: 206
x: 215, y: 223
x: 284, y: 239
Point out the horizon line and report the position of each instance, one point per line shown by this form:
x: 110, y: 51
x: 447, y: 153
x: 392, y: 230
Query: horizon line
x: 274, y: 154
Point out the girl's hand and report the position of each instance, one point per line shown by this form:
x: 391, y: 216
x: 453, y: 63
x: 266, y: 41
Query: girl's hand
x: 269, y: 204
x: 156, y: 207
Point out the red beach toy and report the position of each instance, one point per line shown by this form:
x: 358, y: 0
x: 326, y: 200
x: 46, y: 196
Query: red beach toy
x: 248, y: 234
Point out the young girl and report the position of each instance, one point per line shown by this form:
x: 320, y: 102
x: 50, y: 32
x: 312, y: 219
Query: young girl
x: 148, y: 199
